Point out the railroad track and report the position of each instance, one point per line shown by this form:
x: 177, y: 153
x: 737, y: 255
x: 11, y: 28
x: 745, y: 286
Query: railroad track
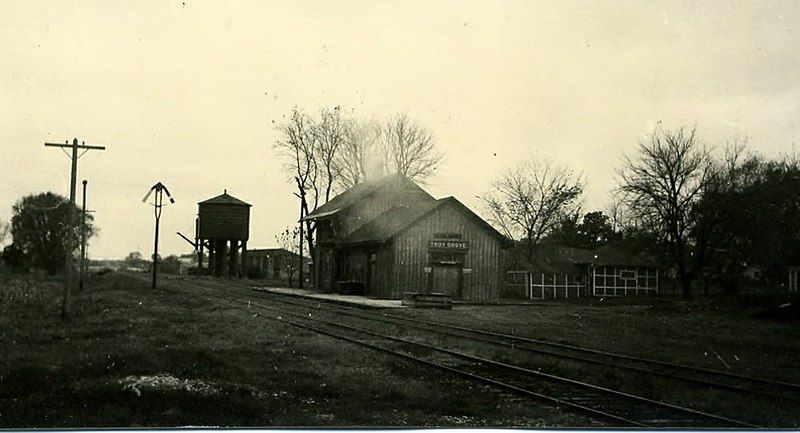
x: 746, y: 385
x: 560, y: 391
x: 615, y: 407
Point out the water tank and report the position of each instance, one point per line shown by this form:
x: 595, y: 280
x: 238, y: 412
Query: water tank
x: 224, y: 217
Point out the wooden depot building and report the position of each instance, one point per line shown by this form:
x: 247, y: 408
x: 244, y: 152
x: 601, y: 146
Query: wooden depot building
x: 388, y: 237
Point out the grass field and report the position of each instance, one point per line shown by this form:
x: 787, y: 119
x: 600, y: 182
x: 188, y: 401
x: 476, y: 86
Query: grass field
x: 712, y: 332
x: 715, y: 333
x: 136, y: 357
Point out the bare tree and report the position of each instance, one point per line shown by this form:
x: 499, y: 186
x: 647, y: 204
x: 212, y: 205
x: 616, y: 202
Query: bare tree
x: 335, y: 151
x: 529, y: 199
x: 660, y: 187
x: 714, y: 213
x: 355, y: 160
x: 409, y: 148
x: 299, y: 147
x: 372, y: 149
x: 331, y: 132
x: 618, y: 215
x: 288, y: 240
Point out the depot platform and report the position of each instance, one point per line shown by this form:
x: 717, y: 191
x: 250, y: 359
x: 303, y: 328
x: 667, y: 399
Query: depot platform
x: 349, y: 300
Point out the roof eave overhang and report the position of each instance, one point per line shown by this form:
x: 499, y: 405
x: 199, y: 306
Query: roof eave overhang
x: 322, y: 215
x: 361, y: 242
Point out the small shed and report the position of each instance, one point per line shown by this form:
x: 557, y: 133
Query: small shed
x: 548, y: 275
x: 223, y: 226
x: 558, y: 271
x: 618, y: 271
x: 276, y: 264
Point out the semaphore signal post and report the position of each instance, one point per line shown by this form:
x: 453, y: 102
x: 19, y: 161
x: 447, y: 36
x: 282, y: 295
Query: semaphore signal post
x: 70, y: 244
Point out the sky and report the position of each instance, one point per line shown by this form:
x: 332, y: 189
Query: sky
x: 189, y: 93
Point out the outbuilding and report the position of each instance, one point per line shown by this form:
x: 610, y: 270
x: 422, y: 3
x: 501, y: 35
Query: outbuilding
x: 276, y: 264
x: 388, y: 237
x: 557, y: 271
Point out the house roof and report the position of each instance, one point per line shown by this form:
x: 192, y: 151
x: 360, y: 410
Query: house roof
x: 268, y: 250
x: 397, y: 219
x: 542, y: 264
x: 618, y: 255
x: 275, y: 251
x: 562, y: 259
x: 225, y: 198
x: 397, y: 182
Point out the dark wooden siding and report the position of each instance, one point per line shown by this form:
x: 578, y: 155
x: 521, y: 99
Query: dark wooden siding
x: 482, y: 258
x: 324, y: 267
x: 383, y: 281
x: 224, y: 221
x: 354, y: 266
x: 324, y: 231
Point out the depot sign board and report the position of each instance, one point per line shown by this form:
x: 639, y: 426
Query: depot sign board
x: 448, y: 245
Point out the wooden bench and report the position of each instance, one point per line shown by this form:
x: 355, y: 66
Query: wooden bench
x: 427, y: 300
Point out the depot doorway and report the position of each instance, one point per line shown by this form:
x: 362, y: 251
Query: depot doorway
x: 446, y: 279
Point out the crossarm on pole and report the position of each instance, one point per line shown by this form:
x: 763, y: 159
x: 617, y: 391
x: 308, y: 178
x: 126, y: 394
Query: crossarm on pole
x: 79, y: 146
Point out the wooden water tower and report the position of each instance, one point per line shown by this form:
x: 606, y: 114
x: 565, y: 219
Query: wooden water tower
x: 223, y: 225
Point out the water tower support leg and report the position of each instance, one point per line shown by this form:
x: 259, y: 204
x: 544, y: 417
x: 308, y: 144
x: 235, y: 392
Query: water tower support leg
x: 244, y: 258
x: 234, y: 252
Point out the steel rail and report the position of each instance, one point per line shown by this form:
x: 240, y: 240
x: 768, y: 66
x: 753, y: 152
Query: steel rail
x: 682, y: 368
x: 482, y: 361
x: 699, y: 415
x: 426, y: 326
x: 462, y: 373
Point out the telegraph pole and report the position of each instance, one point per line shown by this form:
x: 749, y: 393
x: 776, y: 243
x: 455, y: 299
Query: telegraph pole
x: 159, y: 198
x: 70, y: 221
x: 302, y: 197
x: 84, y: 258
x: 300, y: 241
x: 158, y: 203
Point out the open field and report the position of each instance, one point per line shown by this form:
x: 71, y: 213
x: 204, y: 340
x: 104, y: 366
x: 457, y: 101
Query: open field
x: 132, y: 356
x: 713, y: 333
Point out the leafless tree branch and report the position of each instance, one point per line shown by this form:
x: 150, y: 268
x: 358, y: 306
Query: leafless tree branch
x: 661, y: 184
x: 409, y: 148
x: 528, y: 200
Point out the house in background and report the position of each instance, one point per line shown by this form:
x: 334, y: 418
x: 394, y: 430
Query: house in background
x: 548, y: 275
x: 389, y: 237
x: 187, y: 262
x: 563, y: 272
x: 276, y: 264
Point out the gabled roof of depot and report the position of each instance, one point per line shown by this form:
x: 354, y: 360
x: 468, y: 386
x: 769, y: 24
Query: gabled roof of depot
x: 387, y: 184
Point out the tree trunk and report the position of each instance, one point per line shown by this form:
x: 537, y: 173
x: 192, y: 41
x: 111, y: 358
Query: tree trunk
x: 529, y: 245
